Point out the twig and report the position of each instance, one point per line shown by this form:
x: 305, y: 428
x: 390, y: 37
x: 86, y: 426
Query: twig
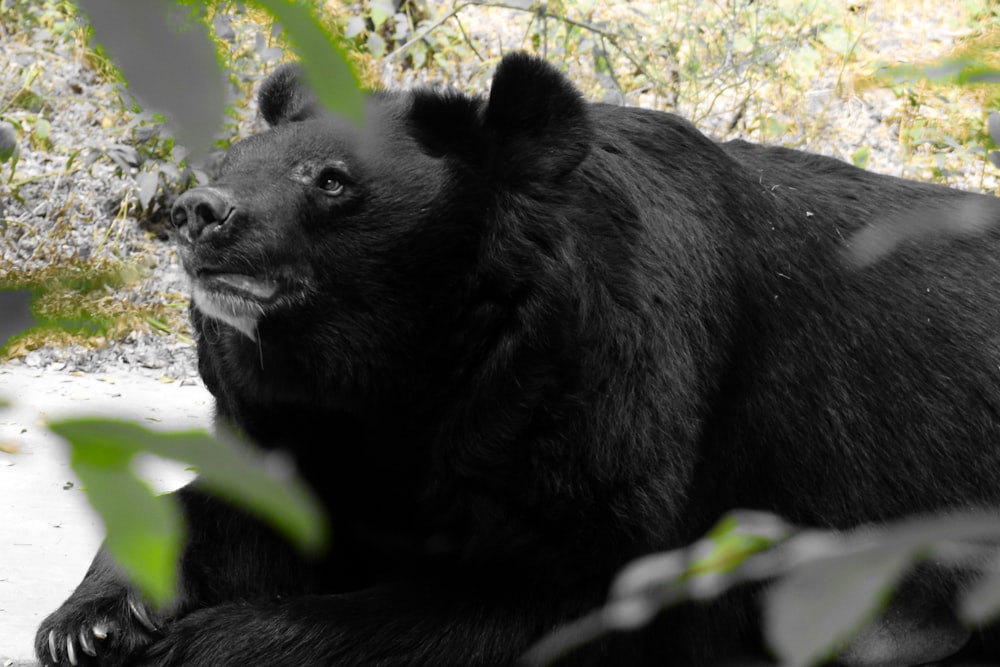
x: 429, y: 29
x: 468, y: 40
x: 566, y: 638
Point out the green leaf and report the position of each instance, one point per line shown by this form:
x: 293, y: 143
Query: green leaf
x: 817, y: 607
x: 836, y: 39
x: 949, y: 69
x: 158, y: 324
x: 148, y: 183
x: 993, y: 125
x: 861, y: 156
x: 168, y: 59
x: 222, y: 24
x: 402, y: 30
x: 325, y: 64
x: 806, y: 61
x: 8, y: 142
x: 775, y: 128
x: 735, y: 538
x: 17, y: 318
x: 980, y: 74
x: 355, y: 26
x: 418, y: 53
x: 381, y: 10
x: 265, y: 486
x: 376, y: 45
x: 144, y: 532
x: 42, y: 130
x: 811, y: 612
x: 981, y: 603
x: 959, y: 71
x: 71, y: 159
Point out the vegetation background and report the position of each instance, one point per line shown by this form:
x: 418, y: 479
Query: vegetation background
x: 87, y: 173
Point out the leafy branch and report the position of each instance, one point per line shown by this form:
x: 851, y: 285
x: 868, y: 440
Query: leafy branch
x: 827, y: 586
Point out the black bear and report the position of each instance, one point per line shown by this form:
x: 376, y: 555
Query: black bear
x: 515, y: 341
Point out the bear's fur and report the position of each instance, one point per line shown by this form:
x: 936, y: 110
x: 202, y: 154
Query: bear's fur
x: 515, y: 342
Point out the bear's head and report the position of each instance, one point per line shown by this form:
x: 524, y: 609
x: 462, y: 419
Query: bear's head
x: 375, y: 245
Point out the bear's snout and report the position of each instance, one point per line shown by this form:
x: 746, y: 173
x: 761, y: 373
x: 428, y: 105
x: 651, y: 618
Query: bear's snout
x: 200, y: 211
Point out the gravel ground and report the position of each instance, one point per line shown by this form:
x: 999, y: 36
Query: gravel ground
x: 69, y: 215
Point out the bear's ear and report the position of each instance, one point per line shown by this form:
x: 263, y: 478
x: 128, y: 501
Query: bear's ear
x: 285, y: 97
x: 536, y: 119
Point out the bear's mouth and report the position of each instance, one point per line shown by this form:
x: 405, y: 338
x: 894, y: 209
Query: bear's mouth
x: 246, y: 285
x: 238, y: 299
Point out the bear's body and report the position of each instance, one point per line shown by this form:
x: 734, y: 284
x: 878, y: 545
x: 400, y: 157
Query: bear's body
x: 514, y: 343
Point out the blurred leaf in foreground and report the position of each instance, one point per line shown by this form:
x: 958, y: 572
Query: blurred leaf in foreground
x: 960, y: 71
x: 821, y: 604
x: 335, y: 83
x: 837, y: 582
x: 144, y: 532
x: 993, y: 125
x: 981, y: 603
x: 165, y: 54
x: 15, y: 314
x: 735, y: 538
x: 8, y: 142
x: 168, y: 60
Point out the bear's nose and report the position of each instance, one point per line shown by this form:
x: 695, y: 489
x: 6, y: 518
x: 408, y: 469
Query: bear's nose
x: 200, y: 210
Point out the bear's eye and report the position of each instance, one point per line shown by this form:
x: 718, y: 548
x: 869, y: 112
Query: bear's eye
x: 330, y: 181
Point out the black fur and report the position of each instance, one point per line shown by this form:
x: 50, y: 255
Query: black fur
x: 284, y: 99
x: 529, y: 339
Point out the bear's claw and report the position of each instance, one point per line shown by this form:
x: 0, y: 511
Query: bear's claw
x: 139, y: 611
x: 86, y: 643
x: 105, y: 632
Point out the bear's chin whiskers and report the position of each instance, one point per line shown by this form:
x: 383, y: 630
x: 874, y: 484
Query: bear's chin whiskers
x: 238, y: 312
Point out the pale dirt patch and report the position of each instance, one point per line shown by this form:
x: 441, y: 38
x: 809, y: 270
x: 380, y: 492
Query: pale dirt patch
x: 49, y: 533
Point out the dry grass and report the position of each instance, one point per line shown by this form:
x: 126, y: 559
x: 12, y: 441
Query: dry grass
x: 90, y: 303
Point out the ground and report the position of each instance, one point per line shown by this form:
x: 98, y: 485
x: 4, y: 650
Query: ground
x: 50, y: 534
